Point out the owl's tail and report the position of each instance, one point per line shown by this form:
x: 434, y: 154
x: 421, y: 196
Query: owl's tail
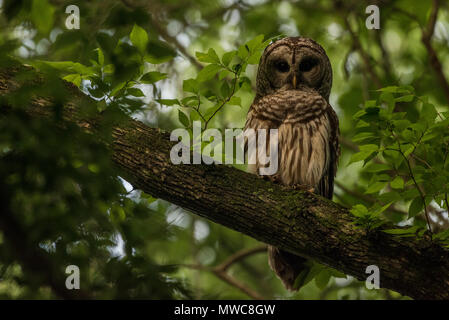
x: 290, y: 268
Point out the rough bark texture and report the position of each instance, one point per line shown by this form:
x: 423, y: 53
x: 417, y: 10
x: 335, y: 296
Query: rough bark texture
x: 296, y: 221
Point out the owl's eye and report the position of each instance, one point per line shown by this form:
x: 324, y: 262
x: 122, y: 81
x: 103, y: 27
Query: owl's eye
x: 282, y: 66
x: 307, y: 64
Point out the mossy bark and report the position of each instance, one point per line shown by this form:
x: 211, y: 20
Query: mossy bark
x: 293, y: 220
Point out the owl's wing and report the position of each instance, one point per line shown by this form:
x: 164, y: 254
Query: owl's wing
x: 250, y: 123
x: 326, y: 185
x: 256, y: 119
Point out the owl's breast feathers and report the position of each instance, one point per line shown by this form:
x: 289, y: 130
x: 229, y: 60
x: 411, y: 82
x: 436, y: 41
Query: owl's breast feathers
x: 308, y: 136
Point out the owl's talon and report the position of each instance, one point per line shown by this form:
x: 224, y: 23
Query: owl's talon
x: 303, y: 187
x: 273, y: 178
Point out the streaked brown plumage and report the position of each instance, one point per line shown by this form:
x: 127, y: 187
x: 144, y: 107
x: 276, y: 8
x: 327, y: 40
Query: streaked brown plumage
x: 293, y: 85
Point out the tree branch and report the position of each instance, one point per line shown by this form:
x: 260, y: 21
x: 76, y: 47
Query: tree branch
x: 364, y: 55
x: 239, y: 256
x: 296, y: 221
x: 221, y: 270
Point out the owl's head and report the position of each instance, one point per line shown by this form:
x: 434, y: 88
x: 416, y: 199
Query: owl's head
x: 294, y: 63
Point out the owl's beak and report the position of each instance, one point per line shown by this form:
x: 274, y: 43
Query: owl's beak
x: 294, y: 81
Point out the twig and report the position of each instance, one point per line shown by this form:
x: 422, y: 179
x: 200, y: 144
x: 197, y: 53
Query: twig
x: 367, y: 198
x: 224, y: 266
x: 221, y: 270
x: 385, y: 55
x: 235, y: 283
x: 365, y: 57
x: 418, y: 187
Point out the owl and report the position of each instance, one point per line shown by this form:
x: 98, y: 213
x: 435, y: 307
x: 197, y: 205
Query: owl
x: 293, y: 84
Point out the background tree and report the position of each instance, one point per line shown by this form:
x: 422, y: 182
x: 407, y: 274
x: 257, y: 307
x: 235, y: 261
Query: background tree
x: 64, y: 203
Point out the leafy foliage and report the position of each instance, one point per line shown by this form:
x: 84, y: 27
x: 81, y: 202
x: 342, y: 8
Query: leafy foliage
x: 405, y: 153
x: 203, y: 100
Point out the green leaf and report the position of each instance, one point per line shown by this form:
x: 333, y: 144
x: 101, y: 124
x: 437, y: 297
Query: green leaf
x: 227, y: 57
x: 389, y: 99
x: 209, y: 57
x: 108, y: 68
x: 245, y: 81
x: 403, y: 231
x: 102, y: 105
x: 243, y: 52
x: 429, y: 113
x: 67, y: 66
x: 307, y: 274
x: 391, y: 196
x: 376, y: 187
x: 401, y: 124
x: 190, y: 101
x: 409, y: 150
x: 397, y: 183
x: 442, y: 235
x: 237, y: 101
x: 159, y: 52
x: 42, y: 15
x: 183, y: 119
x: 382, y: 177
x: 359, y: 210
x: 225, y: 90
x: 358, y: 114
x: 410, y: 193
x: 210, y: 111
x: 322, y: 279
x: 118, y: 88
x: 335, y: 273
x: 396, y: 89
x: 152, y: 77
x: 377, y: 167
x: 255, y: 47
x: 363, y: 136
x: 190, y: 85
x: 390, y: 89
x: 139, y: 38
x: 365, y: 151
x: 135, y: 92
x: 168, y: 102
x: 208, y: 72
x: 223, y: 74
x: 406, y: 98
x: 255, y: 43
x: 100, y: 57
x: 74, y: 78
x: 379, y: 209
x: 415, y: 207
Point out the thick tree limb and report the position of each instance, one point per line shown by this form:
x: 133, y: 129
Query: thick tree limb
x: 299, y: 222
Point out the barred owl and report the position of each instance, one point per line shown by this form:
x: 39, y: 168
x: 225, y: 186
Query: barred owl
x: 294, y: 80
